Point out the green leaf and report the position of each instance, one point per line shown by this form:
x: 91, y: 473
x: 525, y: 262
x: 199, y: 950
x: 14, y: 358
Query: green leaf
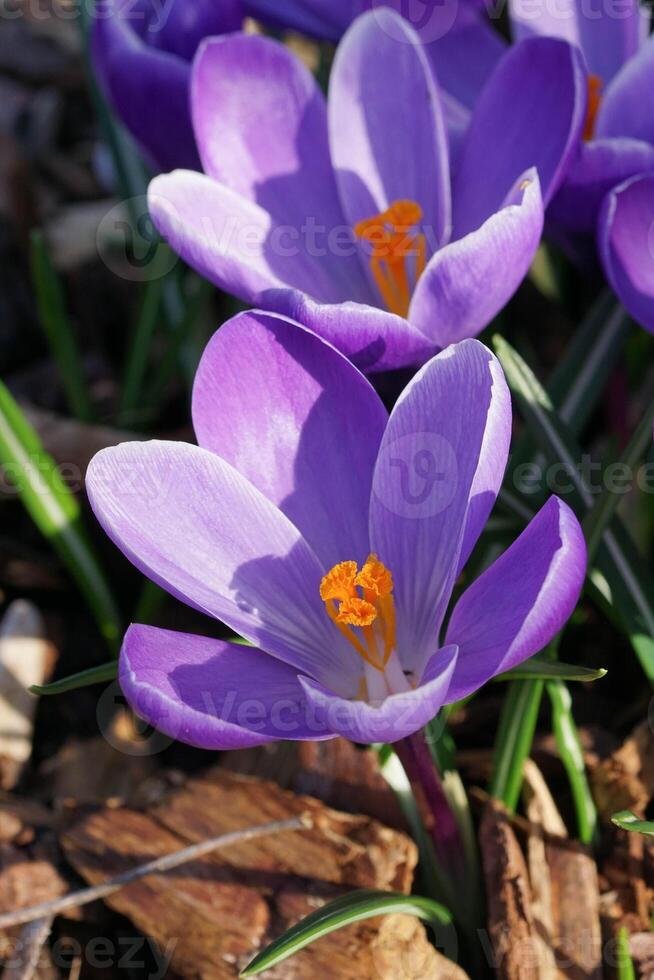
x: 514, y: 739
x: 58, y: 330
x: 55, y: 511
x: 140, y: 349
x: 625, y: 963
x: 351, y: 908
x: 572, y: 756
x: 628, y: 581
x: 627, y: 820
x: 85, y: 678
x: 544, y: 670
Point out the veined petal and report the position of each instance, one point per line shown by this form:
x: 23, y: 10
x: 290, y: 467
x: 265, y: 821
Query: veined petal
x: 232, y: 241
x: 372, y: 339
x: 380, y: 151
x: 261, y: 126
x: 609, y: 41
x: 190, y: 522
x: 211, y: 693
x: 541, y: 18
x: 623, y: 111
x: 626, y: 245
x: 394, y: 718
x: 439, y: 469
x: 469, y: 281
x: 530, y: 114
x: 180, y: 27
x: 148, y: 90
x: 291, y: 414
x: 465, y: 57
x: 599, y: 166
x: 521, y: 602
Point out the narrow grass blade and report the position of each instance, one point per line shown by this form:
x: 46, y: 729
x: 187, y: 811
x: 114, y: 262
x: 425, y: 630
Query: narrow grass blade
x: 625, y: 964
x: 629, y: 582
x: 58, y: 330
x: 626, y: 820
x: 543, y: 670
x: 567, y: 740
x: 514, y: 739
x: 85, y: 678
x: 55, y: 512
x: 140, y: 350
x: 351, y: 908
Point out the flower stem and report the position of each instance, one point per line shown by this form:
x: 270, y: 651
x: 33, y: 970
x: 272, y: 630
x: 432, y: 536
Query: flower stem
x: 437, y: 815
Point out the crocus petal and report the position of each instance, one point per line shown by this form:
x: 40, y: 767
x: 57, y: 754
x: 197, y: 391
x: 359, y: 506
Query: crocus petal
x: 372, y: 339
x: 530, y: 114
x: 626, y: 245
x: 439, y: 469
x: 317, y: 18
x: 210, y: 693
x: 468, y: 281
x: 148, y: 90
x: 518, y: 604
x: 299, y: 421
x: 394, y: 718
x: 609, y: 41
x: 623, y: 110
x: 232, y: 241
x: 261, y: 126
x: 465, y: 57
x: 190, y: 522
x: 599, y: 165
x: 542, y: 18
x: 179, y: 27
x: 382, y: 152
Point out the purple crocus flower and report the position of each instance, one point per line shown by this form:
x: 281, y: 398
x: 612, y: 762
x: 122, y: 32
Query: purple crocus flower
x: 142, y: 52
x: 330, y: 536
x: 619, y: 130
x: 626, y: 245
x: 344, y: 216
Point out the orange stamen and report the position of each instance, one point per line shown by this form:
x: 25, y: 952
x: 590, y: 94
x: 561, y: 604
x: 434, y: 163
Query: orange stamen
x: 594, y: 102
x: 393, y: 242
x: 366, y: 620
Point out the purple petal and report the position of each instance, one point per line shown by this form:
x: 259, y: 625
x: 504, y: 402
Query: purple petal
x: 465, y: 57
x: 148, y: 90
x: 542, y: 18
x: 381, y: 151
x: 371, y: 338
x: 598, y: 167
x: 608, y: 41
x: 232, y: 241
x: 179, y: 27
x: 626, y: 245
x: 623, y: 110
x: 543, y: 80
x: 195, y: 526
x: 261, y: 127
x: 210, y: 693
x: 299, y: 421
x: 317, y: 18
x: 394, y: 718
x: 469, y: 281
x: 521, y: 602
x: 439, y: 469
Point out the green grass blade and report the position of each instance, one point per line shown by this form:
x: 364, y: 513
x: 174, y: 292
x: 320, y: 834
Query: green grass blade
x: 84, y: 678
x: 55, y: 512
x: 625, y: 965
x: 569, y: 746
x: 626, y: 820
x: 628, y: 580
x: 544, y: 670
x: 140, y: 350
x: 514, y: 740
x: 346, y: 910
x: 58, y: 330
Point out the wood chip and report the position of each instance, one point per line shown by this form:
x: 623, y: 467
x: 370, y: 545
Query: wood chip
x: 26, y: 658
x: 213, y: 915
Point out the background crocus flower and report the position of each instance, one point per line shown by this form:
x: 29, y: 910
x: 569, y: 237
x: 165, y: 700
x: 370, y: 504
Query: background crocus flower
x: 304, y: 208
x: 330, y: 536
x: 626, y: 245
x: 619, y: 130
x: 142, y: 53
